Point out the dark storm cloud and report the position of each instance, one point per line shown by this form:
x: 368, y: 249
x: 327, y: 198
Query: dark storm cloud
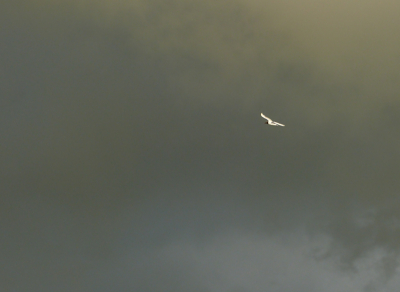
x: 130, y: 134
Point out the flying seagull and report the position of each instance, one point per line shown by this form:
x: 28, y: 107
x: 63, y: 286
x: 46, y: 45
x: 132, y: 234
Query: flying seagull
x: 271, y: 122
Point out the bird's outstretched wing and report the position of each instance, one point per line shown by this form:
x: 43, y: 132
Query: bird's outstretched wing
x: 266, y: 117
x: 279, y: 124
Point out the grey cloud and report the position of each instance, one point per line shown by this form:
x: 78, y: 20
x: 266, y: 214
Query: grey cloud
x: 148, y: 112
x: 243, y: 261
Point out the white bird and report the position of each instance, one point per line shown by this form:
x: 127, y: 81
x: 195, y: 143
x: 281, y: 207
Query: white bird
x: 271, y: 122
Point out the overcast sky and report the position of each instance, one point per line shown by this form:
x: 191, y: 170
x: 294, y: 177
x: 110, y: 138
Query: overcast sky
x: 133, y: 156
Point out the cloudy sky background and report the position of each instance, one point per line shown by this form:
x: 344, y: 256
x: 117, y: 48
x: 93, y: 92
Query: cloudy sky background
x: 134, y: 158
